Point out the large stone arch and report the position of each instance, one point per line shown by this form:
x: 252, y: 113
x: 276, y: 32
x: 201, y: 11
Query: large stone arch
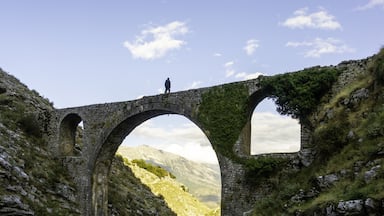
x: 106, y: 125
x: 103, y: 160
x: 67, y: 134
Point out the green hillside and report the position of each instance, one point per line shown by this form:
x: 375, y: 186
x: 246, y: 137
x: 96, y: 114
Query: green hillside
x: 128, y: 196
x: 202, y: 179
x: 175, y: 194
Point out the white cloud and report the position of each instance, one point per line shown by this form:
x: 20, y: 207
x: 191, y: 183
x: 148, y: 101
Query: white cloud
x: 372, y: 4
x: 217, y: 54
x: 246, y: 76
x: 251, y: 46
x: 229, y: 71
x: 195, y: 84
x: 156, y: 42
x: 274, y: 133
x: 186, y: 140
x: 192, y: 151
x: 229, y: 64
x: 319, y: 47
x: 185, y: 133
x: 317, y: 20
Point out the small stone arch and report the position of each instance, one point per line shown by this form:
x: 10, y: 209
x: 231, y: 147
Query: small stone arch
x: 67, y: 134
x: 107, y: 150
x: 257, y: 98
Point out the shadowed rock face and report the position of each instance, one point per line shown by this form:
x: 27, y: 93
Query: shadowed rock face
x: 31, y: 182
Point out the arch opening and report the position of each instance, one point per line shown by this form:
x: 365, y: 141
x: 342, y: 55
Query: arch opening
x: 179, y: 146
x: 71, y: 128
x: 131, y: 131
x: 272, y: 132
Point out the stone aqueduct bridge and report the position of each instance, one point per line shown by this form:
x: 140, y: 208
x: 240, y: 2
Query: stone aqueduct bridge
x: 105, y: 126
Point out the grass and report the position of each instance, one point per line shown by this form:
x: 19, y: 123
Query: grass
x: 362, y: 81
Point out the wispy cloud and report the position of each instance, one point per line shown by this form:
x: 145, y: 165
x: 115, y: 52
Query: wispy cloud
x: 231, y: 72
x: 319, y: 47
x: 317, y: 20
x: 251, y: 46
x: 156, y: 42
x: 217, y: 54
x: 246, y: 76
x: 372, y: 4
x: 229, y: 64
x: 194, y: 84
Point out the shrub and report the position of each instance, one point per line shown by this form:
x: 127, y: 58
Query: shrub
x: 157, y: 170
x: 30, y: 125
x: 330, y: 138
x: 261, y: 167
x: 377, y: 68
x: 375, y: 124
x: 298, y: 94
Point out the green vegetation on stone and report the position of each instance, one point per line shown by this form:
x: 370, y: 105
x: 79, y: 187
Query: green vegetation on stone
x: 299, y: 93
x: 377, y: 68
x: 223, y: 113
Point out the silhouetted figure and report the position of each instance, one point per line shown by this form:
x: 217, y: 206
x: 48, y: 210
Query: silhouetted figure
x: 167, y: 86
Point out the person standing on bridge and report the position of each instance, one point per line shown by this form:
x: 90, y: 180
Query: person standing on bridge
x: 167, y: 86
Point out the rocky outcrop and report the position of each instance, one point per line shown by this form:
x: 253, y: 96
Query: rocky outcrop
x: 32, y: 181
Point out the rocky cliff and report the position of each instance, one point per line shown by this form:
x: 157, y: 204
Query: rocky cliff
x: 32, y: 182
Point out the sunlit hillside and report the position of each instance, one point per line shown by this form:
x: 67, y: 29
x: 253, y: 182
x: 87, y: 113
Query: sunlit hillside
x: 174, y: 193
x: 201, y: 179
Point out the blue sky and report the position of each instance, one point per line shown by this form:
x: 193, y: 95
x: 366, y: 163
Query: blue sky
x: 84, y: 52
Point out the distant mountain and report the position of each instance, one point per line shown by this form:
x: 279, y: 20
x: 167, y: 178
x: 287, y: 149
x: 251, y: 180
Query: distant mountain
x: 201, y: 179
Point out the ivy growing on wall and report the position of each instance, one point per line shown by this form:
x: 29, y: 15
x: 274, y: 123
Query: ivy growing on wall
x: 223, y: 112
x: 298, y: 94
